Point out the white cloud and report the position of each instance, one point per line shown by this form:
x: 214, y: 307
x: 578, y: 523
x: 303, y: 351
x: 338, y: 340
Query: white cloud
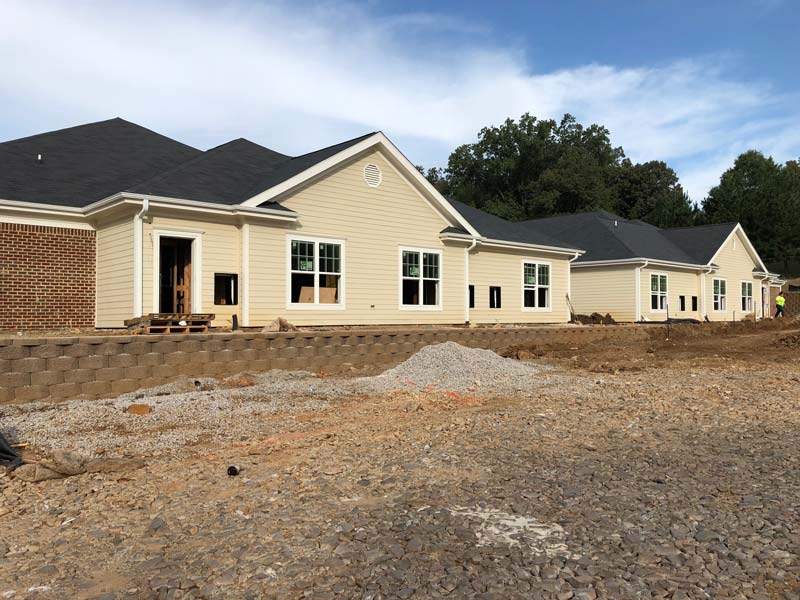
x: 296, y: 78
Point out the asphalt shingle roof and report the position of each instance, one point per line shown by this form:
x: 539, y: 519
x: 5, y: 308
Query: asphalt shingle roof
x: 701, y: 243
x: 83, y: 164
x: 223, y: 175
x: 492, y: 227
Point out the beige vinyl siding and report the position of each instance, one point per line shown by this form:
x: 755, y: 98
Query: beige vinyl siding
x: 605, y: 290
x: 220, y: 250
x: 679, y: 283
x: 503, y: 268
x: 735, y: 265
x: 115, y: 272
x: 373, y: 224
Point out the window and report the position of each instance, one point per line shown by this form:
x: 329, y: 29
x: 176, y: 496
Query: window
x: 316, y: 272
x: 472, y: 296
x: 226, y: 289
x: 535, y: 285
x: 694, y: 303
x: 682, y: 300
x: 658, y: 293
x: 494, y: 297
x: 421, y: 278
x: 720, y: 295
x: 747, y: 296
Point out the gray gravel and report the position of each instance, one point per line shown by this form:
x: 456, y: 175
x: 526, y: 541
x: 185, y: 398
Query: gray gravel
x: 193, y: 410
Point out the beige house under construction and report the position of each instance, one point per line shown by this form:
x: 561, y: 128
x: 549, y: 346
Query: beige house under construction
x: 108, y: 221
x: 637, y: 272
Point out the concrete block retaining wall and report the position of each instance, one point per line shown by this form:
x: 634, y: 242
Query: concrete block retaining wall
x: 105, y: 366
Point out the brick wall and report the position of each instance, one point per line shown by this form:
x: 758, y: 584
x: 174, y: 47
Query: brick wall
x: 104, y: 366
x: 47, y: 277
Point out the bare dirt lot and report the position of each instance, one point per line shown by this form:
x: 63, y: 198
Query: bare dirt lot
x: 662, y: 469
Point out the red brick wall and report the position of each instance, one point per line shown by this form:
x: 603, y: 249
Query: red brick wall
x: 47, y: 277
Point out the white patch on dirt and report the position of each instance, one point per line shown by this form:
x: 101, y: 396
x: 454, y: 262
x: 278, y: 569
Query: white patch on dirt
x: 498, y: 527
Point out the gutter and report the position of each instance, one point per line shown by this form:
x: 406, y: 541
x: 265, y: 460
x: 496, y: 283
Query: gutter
x: 460, y: 237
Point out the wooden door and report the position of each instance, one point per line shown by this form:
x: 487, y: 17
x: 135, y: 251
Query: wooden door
x: 175, y: 275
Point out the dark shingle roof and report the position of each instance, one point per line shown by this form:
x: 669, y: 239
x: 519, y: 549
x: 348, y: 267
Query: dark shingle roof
x: 606, y: 236
x: 86, y: 163
x: 223, y: 175
x: 701, y: 243
x: 83, y: 164
x: 298, y: 164
x: 492, y: 227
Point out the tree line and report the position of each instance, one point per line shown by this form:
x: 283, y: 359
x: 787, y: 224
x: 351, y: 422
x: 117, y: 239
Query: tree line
x: 533, y: 168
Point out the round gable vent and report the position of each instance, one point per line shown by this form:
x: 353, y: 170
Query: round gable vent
x: 372, y: 175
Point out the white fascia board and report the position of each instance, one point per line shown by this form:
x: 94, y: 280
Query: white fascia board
x: 378, y: 139
x: 47, y: 209
x: 523, y: 246
x: 752, y: 249
x: 460, y: 237
x: 636, y: 261
x: 190, y: 205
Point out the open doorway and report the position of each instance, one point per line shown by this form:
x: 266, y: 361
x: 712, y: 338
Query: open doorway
x: 175, y: 275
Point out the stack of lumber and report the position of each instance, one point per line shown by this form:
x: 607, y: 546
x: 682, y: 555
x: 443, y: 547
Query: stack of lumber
x: 170, y: 323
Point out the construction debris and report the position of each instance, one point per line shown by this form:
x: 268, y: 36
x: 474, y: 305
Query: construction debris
x: 279, y: 324
x: 162, y: 323
x: 65, y: 463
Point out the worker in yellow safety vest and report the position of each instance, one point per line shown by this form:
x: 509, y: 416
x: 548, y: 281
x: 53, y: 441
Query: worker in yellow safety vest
x: 780, y: 302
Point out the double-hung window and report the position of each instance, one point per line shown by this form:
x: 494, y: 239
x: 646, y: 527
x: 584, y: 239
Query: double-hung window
x: 421, y: 277
x: 315, y: 269
x: 658, y: 292
x: 720, y: 288
x: 747, y: 296
x: 535, y: 285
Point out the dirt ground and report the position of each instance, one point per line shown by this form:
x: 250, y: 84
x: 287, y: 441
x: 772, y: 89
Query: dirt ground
x: 660, y: 469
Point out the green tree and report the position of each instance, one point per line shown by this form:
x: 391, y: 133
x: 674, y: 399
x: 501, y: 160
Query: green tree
x: 532, y: 168
x: 756, y: 193
x: 651, y: 192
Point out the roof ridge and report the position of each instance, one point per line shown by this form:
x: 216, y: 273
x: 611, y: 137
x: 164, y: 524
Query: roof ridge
x: 358, y: 137
x: 701, y: 226
x: 120, y: 119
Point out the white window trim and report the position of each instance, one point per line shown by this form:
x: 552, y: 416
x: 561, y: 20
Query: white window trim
x: 295, y: 237
x: 536, y: 262
x: 725, y: 295
x: 420, y: 307
x: 650, y: 293
x: 197, y: 265
x: 752, y: 297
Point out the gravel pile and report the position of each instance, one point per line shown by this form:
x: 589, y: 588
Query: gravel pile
x: 193, y: 410
x: 452, y: 367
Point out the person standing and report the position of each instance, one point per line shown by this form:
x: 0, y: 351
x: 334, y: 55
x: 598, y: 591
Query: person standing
x: 780, y: 303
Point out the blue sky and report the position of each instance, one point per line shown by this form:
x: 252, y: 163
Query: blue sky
x: 691, y: 83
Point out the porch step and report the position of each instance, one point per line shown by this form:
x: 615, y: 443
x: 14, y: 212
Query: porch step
x: 161, y: 323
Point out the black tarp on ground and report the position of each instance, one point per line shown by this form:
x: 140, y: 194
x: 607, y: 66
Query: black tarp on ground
x: 8, y: 456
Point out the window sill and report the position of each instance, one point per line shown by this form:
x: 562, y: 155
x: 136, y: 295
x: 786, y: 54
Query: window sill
x: 540, y: 310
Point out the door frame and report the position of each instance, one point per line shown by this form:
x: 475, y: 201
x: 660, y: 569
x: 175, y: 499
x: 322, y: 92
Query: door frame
x: 197, y: 265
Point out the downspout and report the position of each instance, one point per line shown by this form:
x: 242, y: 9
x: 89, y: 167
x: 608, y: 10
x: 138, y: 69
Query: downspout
x: 469, y: 249
x: 245, y: 291
x: 761, y: 297
x: 570, y: 311
x: 138, y: 234
x: 705, y: 306
x: 639, y: 290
